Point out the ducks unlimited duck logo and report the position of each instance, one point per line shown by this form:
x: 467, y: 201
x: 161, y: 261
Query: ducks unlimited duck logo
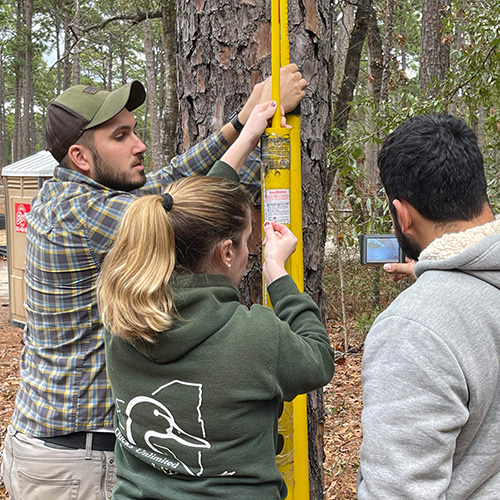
x: 166, y: 429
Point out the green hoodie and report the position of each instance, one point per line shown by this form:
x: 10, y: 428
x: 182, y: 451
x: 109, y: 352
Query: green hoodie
x: 197, y: 412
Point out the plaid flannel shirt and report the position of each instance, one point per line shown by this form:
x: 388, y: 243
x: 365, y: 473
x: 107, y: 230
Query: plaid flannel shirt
x: 64, y: 386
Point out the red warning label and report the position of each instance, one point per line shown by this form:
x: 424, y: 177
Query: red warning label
x: 277, y: 205
x: 21, y: 210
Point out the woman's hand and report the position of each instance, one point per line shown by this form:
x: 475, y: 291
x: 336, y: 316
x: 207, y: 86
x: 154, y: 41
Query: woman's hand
x: 258, y: 121
x: 279, y: 243
x: 249, y: 137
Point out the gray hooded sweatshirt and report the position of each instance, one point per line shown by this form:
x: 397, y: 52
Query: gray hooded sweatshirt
x: 431, y: 378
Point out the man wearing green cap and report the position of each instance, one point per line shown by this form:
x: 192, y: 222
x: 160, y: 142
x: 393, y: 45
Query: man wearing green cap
x: 60, y: 444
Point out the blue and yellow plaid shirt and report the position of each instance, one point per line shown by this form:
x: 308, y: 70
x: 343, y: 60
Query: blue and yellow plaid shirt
x: 64, y: 386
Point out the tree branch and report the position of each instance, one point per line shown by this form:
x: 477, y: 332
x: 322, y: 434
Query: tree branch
x: 451, y: 93
x: 135, y: 18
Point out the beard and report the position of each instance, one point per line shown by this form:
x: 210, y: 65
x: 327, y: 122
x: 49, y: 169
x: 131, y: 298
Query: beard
x: 410, y: 247
x: 106, y: 174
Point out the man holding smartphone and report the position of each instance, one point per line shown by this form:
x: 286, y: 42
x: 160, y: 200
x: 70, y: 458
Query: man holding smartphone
x: 431, y: 365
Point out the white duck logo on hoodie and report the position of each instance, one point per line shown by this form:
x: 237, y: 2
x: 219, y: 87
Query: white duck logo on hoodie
x: 180, y: 437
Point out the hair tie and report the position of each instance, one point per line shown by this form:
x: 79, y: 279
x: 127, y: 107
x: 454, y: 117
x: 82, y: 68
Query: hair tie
x: 168, y: 201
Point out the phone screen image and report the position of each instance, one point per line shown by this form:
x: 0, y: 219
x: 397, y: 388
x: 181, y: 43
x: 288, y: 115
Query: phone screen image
x: 380, y: 249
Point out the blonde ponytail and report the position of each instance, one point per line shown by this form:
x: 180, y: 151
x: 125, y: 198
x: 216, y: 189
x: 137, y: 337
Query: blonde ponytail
x: 133, y: 292
x: 133, y: 288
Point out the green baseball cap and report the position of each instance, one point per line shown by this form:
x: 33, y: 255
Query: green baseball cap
x: 81, y: 108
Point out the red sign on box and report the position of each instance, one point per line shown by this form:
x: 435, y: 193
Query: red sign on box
x: 21, y: 210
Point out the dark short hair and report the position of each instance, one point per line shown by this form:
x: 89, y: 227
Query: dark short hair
x: 87, y: 140
x: 434, y: 163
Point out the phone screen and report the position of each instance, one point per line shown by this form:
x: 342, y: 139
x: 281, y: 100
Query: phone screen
x: 382, y: 249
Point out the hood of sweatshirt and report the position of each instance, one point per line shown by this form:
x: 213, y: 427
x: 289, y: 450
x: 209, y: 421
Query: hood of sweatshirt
x: 204, y: 303
x: 475, y: 251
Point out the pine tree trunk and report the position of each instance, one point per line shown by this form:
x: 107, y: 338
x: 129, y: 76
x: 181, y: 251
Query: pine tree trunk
x: 386, y: 66
x: 17, y: 133
x: 3, y: 133
x: 67, y: 47
x: 28, y: 102
x: 123, y: 68
x: 76, y: 56
x: 109, y: 64
x: 154, y: 130
x: 342, y: 44
x: 221, y: 54
x: 376, y: 62
x: 435, y: 52
x: 58, y: 56
x: 171, y: 101
x: 376, y: 55
x: 351, y: 73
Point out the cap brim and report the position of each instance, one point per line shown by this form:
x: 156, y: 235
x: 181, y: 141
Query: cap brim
x: 130, y: 96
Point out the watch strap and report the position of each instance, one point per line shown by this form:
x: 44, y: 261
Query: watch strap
x: 235, y: 122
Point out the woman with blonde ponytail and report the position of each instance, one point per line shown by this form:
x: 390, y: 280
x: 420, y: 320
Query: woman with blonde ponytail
x: 134, y: 298
x: 198, y: 378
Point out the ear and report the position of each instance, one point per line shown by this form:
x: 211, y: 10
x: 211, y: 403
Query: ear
x: 226, y: 254
x: 80, y: 158
x: 404, y: 213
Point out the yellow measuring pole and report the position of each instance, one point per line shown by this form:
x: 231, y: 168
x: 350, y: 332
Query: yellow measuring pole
x: 282, y: 202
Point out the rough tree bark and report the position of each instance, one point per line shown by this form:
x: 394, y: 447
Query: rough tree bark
x: 171, y: 100
x: 222, y: 51
x: 376, y: 58
x: 386, y: 67
x: 375, y: 53
x: 435, y: 50
x: 154, y: 131
x: 123, y: 67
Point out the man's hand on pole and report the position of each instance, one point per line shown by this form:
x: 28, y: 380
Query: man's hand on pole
x: 292, y: 86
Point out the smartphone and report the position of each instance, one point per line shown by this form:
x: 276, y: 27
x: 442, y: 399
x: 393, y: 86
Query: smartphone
x: 380, y: 249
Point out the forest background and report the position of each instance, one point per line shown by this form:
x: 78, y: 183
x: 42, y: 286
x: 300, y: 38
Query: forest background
x: 370, y: 64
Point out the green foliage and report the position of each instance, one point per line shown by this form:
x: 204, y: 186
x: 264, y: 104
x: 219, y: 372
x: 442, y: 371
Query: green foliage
x: 110, y: 46
x: 471, y: 91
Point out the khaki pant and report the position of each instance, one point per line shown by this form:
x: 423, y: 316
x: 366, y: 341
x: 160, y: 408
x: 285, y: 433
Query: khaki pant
x: 31, y: 470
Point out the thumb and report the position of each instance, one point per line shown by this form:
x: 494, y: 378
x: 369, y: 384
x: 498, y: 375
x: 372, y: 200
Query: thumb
x: 268, y: 229
x: 270, y: 109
